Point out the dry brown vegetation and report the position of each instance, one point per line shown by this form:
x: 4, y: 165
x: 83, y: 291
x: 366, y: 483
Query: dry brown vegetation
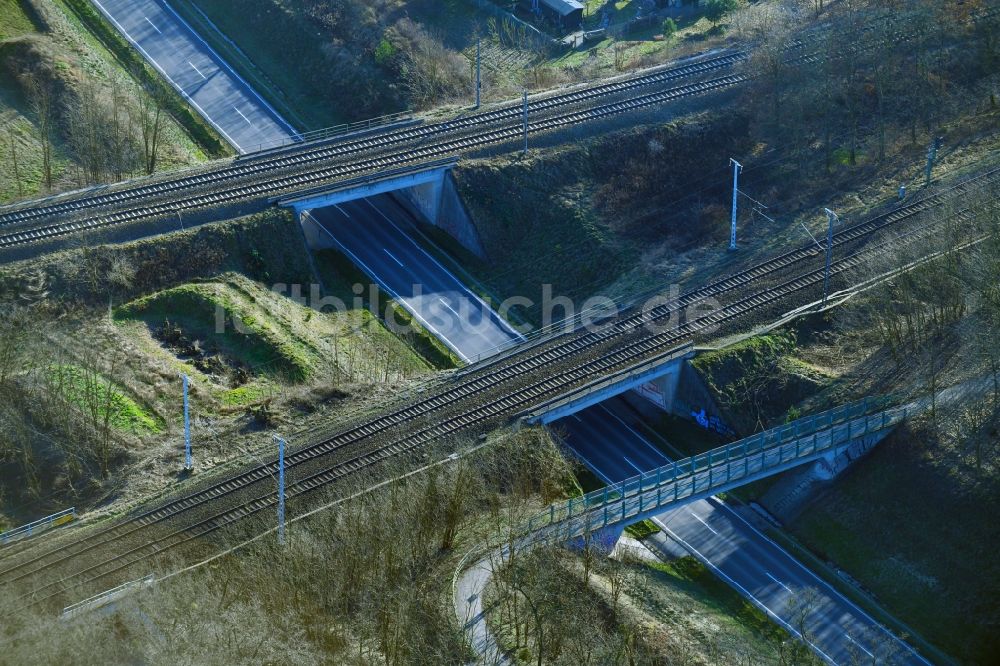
x: 553, y: 606
x: 912, y: 522
x: 70, y: 436
x: 369, y: 581
x: 365, y: 582
x: 354, y: 60
x: 641, y: 207
x: 69, y: 116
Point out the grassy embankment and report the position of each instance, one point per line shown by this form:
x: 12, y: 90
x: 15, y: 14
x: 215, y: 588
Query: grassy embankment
x: 910, y: 523
x: 19, y: 138
x: 287, y: 362
x: 69, y: 81
x: 645, y: 208
x: 253, y: 330
x: 738, y: 620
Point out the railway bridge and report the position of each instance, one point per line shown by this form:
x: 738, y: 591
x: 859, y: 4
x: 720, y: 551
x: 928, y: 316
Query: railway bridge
x: 838, y: 435
x: 597, y: 520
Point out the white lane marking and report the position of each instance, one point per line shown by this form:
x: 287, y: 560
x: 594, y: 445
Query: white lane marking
x: 642, y: 439
x: 231, y: 70
x: 152, y: 24
x: 503, y: 322
x: 445, y: 303
x: 342, y: 212
x: 768, y: 574
x: 863, y: 649
x: 698, y: 518
x: 412, y: 310
x: 742, y: 590
x: 636, y: 467
x: 163, y: 72
x: 197, y: 70
x: 393, y: 257
x: 577, y: 418
x: 836, y: 593
x: 244, y: 117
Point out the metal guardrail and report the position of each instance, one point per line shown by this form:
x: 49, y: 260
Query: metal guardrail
x: 708, y: 473
x: 40, y: 525
x: 332, y: 132
x: 107, y: 597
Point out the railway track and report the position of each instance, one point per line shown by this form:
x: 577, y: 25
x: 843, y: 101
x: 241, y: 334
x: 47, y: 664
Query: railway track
x: 328, y: 149
x: 843, y: 237
x: 523, y: 397
x: 301, y: 180
x: 486, y: 376
x: 287, y: 159
x: 516, y: 402
x: 234, y: 182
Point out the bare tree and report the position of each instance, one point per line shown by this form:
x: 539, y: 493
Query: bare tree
x: 150, y: 111
x: 13, y: 160
x: 42, y: 99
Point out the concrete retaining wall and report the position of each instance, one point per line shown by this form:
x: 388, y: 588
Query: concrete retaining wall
x: 693, y: 401
x: 440, y: 205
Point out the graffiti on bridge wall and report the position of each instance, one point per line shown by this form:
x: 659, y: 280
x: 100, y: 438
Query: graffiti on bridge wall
x: 713, y: 423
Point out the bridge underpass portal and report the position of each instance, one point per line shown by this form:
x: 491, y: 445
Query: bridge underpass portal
x: 609, y: 438
x: 372, y: 226
x: 605, y: 431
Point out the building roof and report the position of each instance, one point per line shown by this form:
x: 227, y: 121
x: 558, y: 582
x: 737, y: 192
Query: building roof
x: 564, y: 7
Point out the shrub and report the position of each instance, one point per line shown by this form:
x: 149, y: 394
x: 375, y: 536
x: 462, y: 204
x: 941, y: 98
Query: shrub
x: 716, y: 10
x: 384, y: 51
x: 669, y: 28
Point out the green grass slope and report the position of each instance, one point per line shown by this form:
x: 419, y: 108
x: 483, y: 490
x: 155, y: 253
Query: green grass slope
x: 14, y: 20
x: 271, y: 335
x: 234, y: 317
x: 106, y: 401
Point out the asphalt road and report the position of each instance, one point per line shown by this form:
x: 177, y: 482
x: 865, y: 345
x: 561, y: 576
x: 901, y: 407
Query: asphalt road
x: 197, y: 72
x: 370, y: 232
x: 607, y: 438
x: 615, y: 450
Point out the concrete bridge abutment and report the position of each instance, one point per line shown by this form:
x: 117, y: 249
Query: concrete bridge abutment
x: 792, y: 493
x: 665, y: 369
x: 427, y: 191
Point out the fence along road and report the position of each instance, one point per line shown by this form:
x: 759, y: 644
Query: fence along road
x: 247, y: 121
x: 677, y: 497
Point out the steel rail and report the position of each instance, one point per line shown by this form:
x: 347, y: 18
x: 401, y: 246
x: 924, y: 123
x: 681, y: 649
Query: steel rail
x: 289, y: 183
x: 324, y: 149
x: 454, y: 395
x: 726, y: 283
x: 249, y: 166
x: 614, y: 361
